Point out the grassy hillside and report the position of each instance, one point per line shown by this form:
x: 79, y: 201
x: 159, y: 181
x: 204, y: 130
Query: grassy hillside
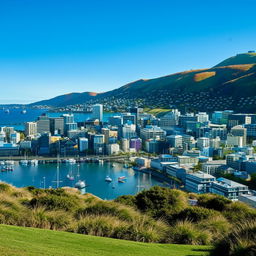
x: 229, y: 85
x: 243, y: 58
x: 33, y: 242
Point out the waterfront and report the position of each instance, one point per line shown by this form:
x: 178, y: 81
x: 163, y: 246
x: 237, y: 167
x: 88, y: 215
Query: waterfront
x: 44, y: 175
x: 16, y: 119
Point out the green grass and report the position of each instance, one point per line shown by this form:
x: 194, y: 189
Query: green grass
x: 20, y: 241
x: 157, y: 111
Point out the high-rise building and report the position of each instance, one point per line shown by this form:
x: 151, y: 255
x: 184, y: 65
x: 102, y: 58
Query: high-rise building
x: 113, y: 149
x: 43, y: 124
x: 99, y: 144
x: 239, y: 130
x: 106, y: 133
x: 129, y: 131
x: 31, y: 128
x: 128, y: 118
x: 57, y: 125
x: 203, y: 117
x: 170, y: 119
x: 69, y: 123
x: 83, y: 144
x: 136, y: 143
x: 125, y: 145
x: 152, y: 132
x: 175, y: 141
x: 97, y: 112
x: 203, y: 142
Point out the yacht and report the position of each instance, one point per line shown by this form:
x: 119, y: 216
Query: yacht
x: 24, y: 111
x: 70, y: 161
x: 9, y: 162
x: 34, y: 162
x: 121, y: 179
x: 80, y: 184
x: 24, y: 162
x: 108, y: 179
x: 70, y: 177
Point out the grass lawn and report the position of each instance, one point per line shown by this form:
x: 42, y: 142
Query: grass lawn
x: 30, y: 241
x: 157, y: 111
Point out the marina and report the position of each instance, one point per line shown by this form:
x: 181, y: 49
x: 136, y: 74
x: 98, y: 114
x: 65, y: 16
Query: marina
x: 101, y: 179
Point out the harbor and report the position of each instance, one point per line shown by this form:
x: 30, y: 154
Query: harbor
x: 123, y: 181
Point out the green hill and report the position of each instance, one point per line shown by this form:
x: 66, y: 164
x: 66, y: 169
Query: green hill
x: 243, y: 58
x: 20, y: 241
x: 229, y: 85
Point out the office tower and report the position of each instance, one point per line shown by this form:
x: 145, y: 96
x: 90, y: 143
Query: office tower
x: 203, y: 117
x: 97, y: 112
x: 129, y: 131
x: 125, y: 145
x: 69, y: 123
x: 129, y: 119
x: 43, y: 124
x: 106, y: 133
x: 203, y: 142
x: 239, y: 131
x: 99, y: 143
x: 83, y: 144
x: 57, y: 125
x: 152, y: 132
x: 31, y: 128
x: 175, y: 141
x: 136, y: 143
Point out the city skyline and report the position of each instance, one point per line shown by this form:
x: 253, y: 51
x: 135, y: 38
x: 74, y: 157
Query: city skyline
x: 49, y: 48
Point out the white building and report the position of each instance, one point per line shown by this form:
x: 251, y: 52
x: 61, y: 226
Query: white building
x: 31, y: 129
x: 203, y: 142
x: 125, y: 145
x: 152, y: 132
x: 129, y: 131
x: 199, y: 182
x: 97, y: 112
x: 203, y: 117
x: 228, y: 188
x: 235, y: 141
x: 175, y: 141
x: 113, y: 149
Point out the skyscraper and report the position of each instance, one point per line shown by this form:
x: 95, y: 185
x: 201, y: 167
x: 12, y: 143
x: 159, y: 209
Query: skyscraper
x: 97, y: 112
x: 31, y: 128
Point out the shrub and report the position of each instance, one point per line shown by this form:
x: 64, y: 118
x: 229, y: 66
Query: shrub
x: 215, y: 202
x: 185, y: 232
x: 195, y: 214
x: 160, y: 202
x: 51, y: 202
x: 239, y: 212
x: 5, y: 187
x: 127, y: 200
x: 217, y: 225
x: 240, y: 241
x: 108, y: 208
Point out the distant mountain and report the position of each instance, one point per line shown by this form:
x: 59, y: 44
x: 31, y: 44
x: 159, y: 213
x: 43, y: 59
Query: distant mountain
x: 229, y: 85
x: 67, y: 99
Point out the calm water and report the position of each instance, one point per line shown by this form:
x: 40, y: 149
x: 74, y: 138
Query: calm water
x: 17, y: 120
x: 93, y: 174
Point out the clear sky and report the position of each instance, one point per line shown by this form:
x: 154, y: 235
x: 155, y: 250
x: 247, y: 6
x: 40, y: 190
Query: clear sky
x: 52, y: 47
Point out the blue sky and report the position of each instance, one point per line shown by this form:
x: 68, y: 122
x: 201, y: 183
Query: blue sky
x: 53, y: 47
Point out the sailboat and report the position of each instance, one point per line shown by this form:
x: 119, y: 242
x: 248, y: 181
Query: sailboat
x: 58, y: 173
x: 70, y: 175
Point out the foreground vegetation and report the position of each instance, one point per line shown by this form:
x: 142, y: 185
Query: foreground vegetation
x: 33, y: 242
x: 158, y: 215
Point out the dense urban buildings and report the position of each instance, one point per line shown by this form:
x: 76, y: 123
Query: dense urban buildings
x: 195, y: 148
